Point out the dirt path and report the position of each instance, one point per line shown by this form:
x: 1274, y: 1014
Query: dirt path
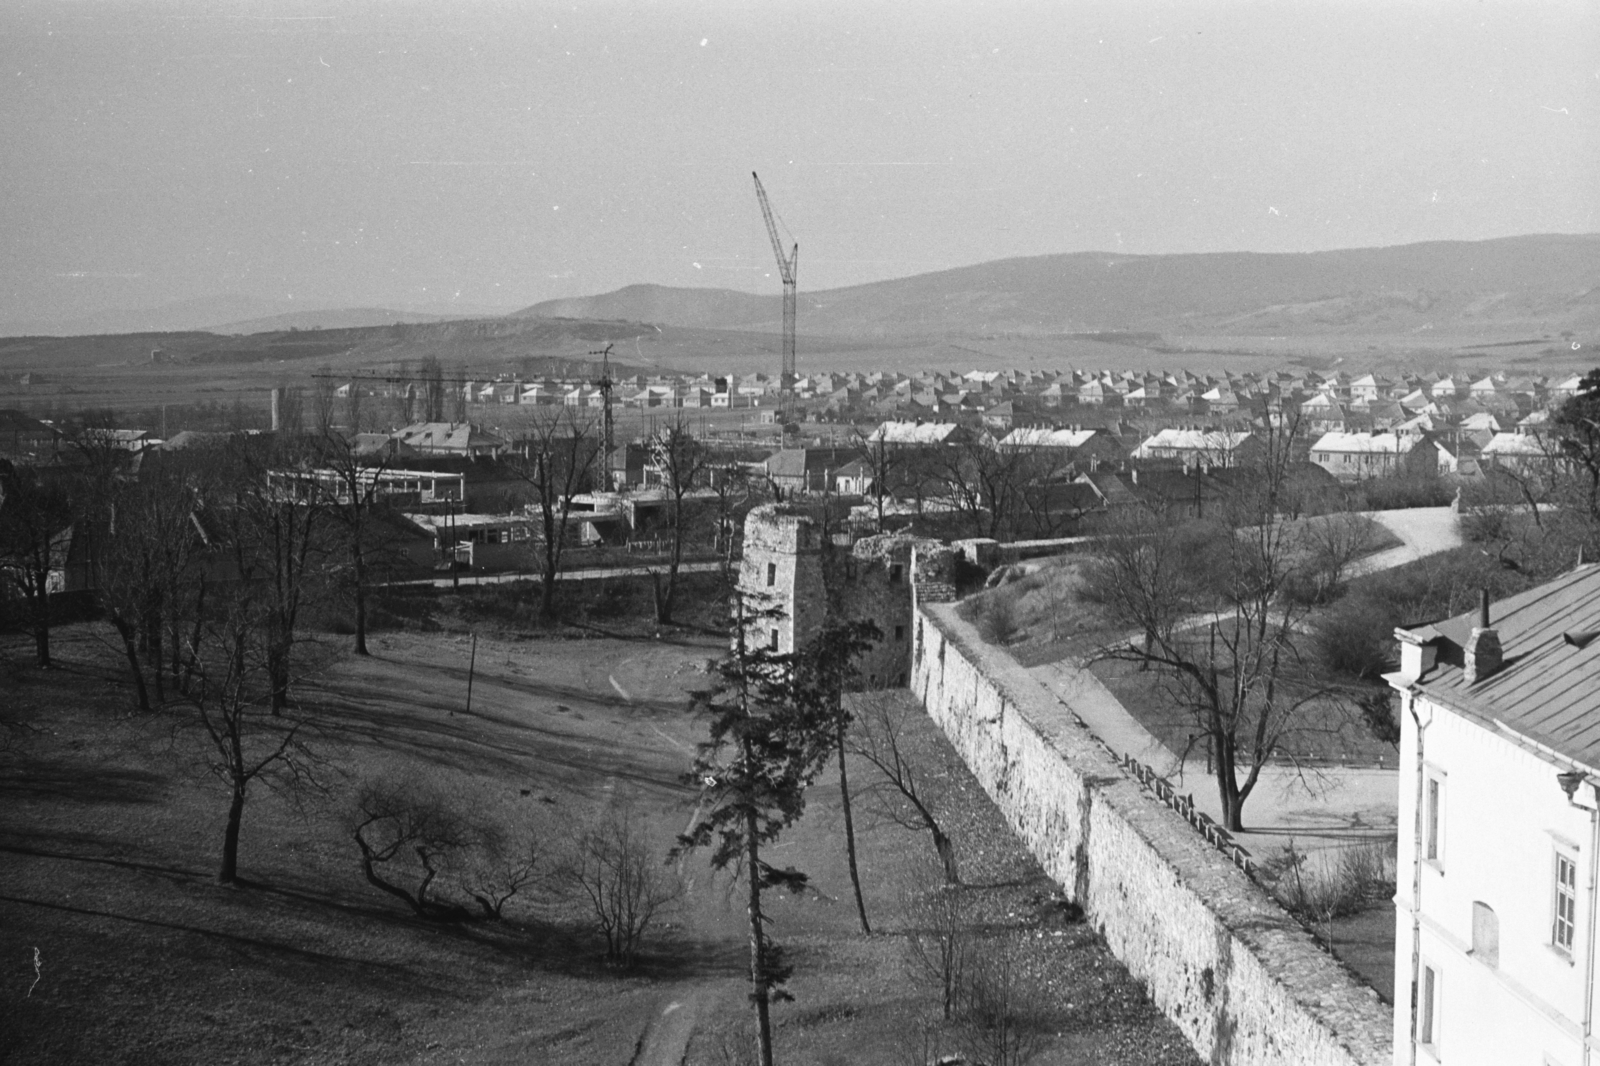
x: 666, y: 1040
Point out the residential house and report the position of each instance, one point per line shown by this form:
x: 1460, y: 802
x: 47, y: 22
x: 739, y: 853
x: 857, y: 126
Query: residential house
x: 1088, y: 447
x: 1457, y: 459
x: 1499, y: 830
x: 803, y: 471
x: 1371, y: 388
x: 920, y: 434
x: 480, y: 541
x: 1357, y: 456
x: 1202, y: 447
x: 466, y: 439
x: 24, y: 438
x: 1521, y: 452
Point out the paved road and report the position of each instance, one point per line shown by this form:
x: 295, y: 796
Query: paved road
x: 1424, y: 531
x: 1323, y: 807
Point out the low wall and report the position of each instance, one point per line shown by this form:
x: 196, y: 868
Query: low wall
x: 1239, y: 976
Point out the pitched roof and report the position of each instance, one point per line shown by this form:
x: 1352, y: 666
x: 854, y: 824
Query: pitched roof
x: 1519, y: 444
x: 1548, y: 689
x: 1198, y: 440
x: 913, y: 432
x: 1363, y: 443
x: 1035, y: 437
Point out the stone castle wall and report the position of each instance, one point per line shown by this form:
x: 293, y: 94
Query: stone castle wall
x: 1242, y: 980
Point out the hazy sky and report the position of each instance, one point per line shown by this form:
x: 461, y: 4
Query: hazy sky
x: 406, y: 154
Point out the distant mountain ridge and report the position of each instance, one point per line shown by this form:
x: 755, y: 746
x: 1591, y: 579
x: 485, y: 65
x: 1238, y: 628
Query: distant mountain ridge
x: 236, y: 314
x: 1545, y: 283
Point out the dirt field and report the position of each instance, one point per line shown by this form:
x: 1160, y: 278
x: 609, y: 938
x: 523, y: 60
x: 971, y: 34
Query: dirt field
x: 109, y: 837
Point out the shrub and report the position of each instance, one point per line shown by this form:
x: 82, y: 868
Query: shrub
x: 1336, y: 882
x: 615, y: 868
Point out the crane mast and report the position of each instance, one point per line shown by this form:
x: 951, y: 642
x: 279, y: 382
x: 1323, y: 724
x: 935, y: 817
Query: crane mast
x: 786, y: 270
x: 605, y: 385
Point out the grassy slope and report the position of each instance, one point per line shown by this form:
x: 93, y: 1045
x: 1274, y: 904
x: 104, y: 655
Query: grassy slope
x: 108, y: 840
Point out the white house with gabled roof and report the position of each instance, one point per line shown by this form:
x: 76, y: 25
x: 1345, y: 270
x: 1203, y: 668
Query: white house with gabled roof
x: 1499, y: 831
x: 1355, y: 456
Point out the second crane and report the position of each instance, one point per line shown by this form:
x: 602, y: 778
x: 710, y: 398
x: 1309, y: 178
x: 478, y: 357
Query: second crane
x: 786, y: 270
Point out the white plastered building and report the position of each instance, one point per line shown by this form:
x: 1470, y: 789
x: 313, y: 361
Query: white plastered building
x: 1499, y: 832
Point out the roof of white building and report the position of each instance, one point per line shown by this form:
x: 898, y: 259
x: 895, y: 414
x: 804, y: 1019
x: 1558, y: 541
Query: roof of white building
x: 1548, y: 690
x: 1363, y: 443
x: 1195, y: 440
x: 1519, y: 444
x: 1035, y: 437
x: 913, y: 432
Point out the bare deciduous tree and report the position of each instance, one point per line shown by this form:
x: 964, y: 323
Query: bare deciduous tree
x: 904, y: 793
x: 557, y: 462
x: 939, y: 938
x: 35, y: 529
x: 1334, y: 543
x: 230, y: 697
x: 1215, y: 622
x: 682, y: 460
x: 433, y: 390
x: 1003, y: 1021
x: 617, y: 871
x: 408, y: 832
x: 324, y: 401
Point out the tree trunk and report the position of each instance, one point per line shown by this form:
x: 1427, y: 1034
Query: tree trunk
x: 153, y: 645
x: 663, y: 599
x: 849, y: 827
x: 229, y: 873
x: 278, y: 676
x: 194, y: 637
x: 1228, y: 787
x: 131, y: 649
x: 760, y: 995
x: 547, y: 591
x: 947, y: 855
x: 361, y: 598
x: 41, y: 619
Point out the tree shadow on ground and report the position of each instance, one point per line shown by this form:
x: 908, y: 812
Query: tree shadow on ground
x: 65, y: 781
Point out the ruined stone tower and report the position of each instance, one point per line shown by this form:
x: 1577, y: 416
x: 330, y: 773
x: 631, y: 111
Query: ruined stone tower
x: 787, y: 567
x: 780, y: 578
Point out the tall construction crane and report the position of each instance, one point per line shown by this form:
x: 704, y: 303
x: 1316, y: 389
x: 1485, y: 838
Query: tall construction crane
x: 605, y: 385
x: 786, y: 269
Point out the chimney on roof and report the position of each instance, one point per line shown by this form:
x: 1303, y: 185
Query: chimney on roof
x: 1483, y: 655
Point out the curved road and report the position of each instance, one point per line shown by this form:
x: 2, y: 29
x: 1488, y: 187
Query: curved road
x: 1424, y: 531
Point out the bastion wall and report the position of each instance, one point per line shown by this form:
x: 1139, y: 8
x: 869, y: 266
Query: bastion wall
x: 1240, y: 977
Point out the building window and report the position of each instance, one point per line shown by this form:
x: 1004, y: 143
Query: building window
x: 1564, y: 920
x: 773, y: 644
x: 1428, y: 1007
x: 772, y: 574
x: 899, y: 632
x: 1485, y: 934
x: 1433, y: 818
x: 895, y: 574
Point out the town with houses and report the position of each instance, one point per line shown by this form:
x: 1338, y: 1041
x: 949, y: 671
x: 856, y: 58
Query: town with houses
x: 472, y: 594
x: 928, y: 484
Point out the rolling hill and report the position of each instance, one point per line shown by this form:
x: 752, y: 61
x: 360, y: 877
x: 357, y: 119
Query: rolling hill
x: 1539, y: 284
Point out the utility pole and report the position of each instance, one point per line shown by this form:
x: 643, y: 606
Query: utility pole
x: 786, y: 270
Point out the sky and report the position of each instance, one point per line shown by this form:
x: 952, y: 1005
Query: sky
x: 496, y: 154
